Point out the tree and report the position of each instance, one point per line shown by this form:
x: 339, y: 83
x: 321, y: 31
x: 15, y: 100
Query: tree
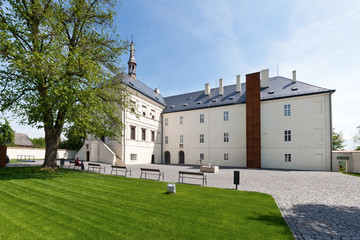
x: 356, y: 139
x: 6, y: 133
x: 74, y: 139
x: 57, y: 61
x: 338, y: 140
x: 38, y: 142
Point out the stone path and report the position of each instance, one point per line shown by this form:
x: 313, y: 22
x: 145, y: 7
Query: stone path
x: 316, y: 205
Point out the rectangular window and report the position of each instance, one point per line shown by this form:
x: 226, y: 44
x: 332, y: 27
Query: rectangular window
x: 181, y: 120
x: 143, y: 134
x: 226, y: 137
x: 287, y: 157
x: 287, y: 135
x: 166, y: 139
x: 201, y: 157
x: 132, y: 132
x: 181, y: 138
x: 287, y: 110
x: 133, y: 156
x: 226, y: 156
x: 201, y: 118
x: 226, y: 116
x: 166, y: 122
x: 153, y: 136
x: 201, y: 138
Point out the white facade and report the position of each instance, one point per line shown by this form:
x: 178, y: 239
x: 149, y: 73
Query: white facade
x: 309, y: 123
x: 143, y: 146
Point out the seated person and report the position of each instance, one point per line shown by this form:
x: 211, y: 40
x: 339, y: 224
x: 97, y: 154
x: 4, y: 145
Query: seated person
x: 77, y: 162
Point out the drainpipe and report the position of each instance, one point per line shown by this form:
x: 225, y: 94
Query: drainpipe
x: 162, y: 139
x: 331, y: 141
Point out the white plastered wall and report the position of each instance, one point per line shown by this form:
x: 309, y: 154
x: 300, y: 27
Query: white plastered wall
x: 309, y: 122
x: 213, y: 129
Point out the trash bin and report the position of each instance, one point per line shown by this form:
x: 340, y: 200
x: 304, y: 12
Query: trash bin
x: 62, y: 162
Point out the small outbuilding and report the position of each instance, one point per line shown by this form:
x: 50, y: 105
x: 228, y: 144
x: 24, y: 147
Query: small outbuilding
x: 22, y: 140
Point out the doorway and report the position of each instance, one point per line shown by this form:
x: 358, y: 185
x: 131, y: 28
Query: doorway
x: 153, y: 159
x: 181, y: 157
x: 167, y: 157
x: 87, y: 156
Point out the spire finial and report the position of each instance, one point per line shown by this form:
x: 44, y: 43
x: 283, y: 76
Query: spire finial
x: 132, y: 64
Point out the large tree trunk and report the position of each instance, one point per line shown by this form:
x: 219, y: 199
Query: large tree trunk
x: 52, y: 139
x: 3, y: 156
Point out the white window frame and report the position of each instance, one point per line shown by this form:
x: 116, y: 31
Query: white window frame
x: 131, y: 128
x: 226, y: 116
x: 287, y: 135
x: 287, y: 157
x: 143, y: 134
x: 133, y: 156
x: 226, y: 156
x: 166, y: 122
x: 181, y: 138
x: 226, y: 137
x: 287, y: 110
x: 166, y: 140
x: 202, y: 118
x: 153, y: 136
x: 181, y: 120
x: 202, y: 138
x: 202, y: 157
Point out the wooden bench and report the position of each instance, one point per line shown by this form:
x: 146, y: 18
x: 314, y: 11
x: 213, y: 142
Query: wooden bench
x: 95, y: 165
x: 152, y: 171
x: 120, y: 168
x: 195, y: 175
x: 72, y: 162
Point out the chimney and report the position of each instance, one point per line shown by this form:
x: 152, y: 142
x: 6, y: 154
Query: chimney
x: 221, y: 86
x: 207, y: 88
x: 238, y: 83
x: 157, y: 90
x: 294, y: 76
x: 264, y: 82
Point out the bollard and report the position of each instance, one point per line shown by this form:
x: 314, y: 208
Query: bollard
x: 237, y: 178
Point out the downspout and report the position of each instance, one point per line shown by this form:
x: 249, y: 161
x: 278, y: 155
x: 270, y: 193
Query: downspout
x: 331, y: 140
x: 162, y: 135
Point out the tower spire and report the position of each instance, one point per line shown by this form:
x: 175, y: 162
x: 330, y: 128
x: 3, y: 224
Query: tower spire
x: 132, y: 64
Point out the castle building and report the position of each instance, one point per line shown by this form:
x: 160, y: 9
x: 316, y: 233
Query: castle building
x: 263, y: 122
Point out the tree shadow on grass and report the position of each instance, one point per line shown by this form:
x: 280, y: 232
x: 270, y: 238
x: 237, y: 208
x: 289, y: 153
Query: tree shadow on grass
x: 319, y: 220
x: 12, y: 173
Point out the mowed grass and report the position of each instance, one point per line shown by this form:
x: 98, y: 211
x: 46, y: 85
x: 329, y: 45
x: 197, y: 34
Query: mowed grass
x: 68, y: 204
x: 353, y: 174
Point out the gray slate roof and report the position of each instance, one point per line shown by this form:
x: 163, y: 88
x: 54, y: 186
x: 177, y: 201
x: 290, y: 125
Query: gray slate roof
x: 23, y: 140
x: 140, y: 87
x: 279, y: 87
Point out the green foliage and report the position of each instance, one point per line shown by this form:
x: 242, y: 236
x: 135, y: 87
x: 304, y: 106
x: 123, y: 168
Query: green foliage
x: 84, y: 205
x: 356, y: 139
x: 338, y: 140
x: 56, y: 61
x: 6, y: 134
x: 38, y: 142
x: 75, y: 139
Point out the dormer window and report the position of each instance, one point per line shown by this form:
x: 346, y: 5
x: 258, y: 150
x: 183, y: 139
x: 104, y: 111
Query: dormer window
x: 214, y: 100
x: 199, y: 102
x: 185, y: 104
x: 231, y: 97
x: 294, y: 89
x: 271, y: 92
x: 172, y: 106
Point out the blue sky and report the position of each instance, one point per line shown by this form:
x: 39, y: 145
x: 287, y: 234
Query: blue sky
x: 181, y: 45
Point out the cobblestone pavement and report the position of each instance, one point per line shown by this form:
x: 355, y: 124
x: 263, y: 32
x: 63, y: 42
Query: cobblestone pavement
x: 316, y: 205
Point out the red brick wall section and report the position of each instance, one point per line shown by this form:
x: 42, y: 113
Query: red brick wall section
x: 253, y: 140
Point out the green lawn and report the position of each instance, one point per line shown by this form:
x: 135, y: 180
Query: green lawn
x: 353, y: 174
x: 68, y: 204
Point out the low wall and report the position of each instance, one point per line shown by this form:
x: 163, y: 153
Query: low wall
x: 38, y: 153
x: 352, y: 159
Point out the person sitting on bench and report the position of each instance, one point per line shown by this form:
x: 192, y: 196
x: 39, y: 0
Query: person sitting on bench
x: 77, y: 162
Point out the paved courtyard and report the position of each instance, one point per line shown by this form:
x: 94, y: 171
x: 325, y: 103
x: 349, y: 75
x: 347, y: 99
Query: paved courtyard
x: 316, y: 205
